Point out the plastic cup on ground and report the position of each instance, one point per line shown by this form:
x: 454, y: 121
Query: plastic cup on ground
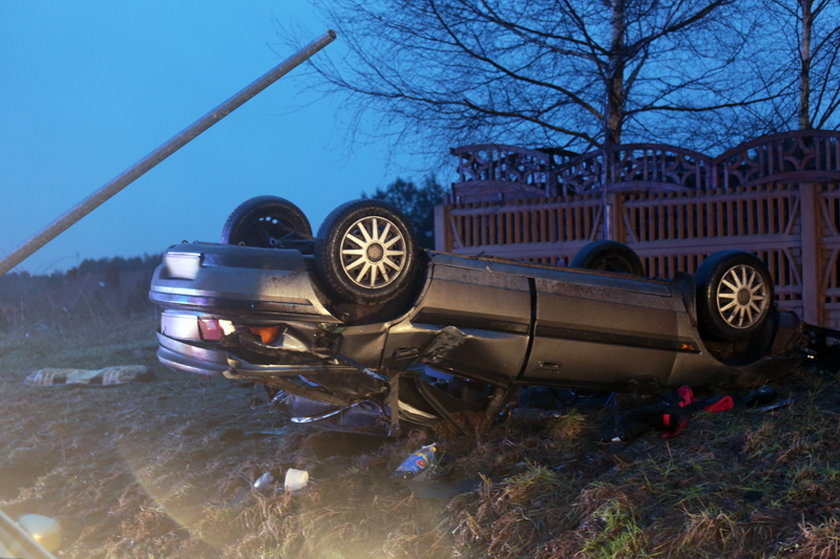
x: 295, y: 480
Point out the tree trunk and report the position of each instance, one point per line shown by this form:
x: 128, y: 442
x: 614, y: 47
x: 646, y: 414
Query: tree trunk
x: 805, y: 64
x: 616, y: 62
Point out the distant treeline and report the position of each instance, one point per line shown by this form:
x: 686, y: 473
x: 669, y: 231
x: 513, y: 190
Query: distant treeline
x: 147, y: 261
x: 17, y: 284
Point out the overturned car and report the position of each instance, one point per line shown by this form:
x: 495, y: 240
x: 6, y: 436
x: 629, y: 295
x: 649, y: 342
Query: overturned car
x: 358, y: 329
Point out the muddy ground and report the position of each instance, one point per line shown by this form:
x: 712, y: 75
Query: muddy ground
x: 163, y: 469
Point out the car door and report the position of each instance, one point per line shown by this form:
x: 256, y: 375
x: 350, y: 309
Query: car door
x: 598, y: 329
x: 479, y: 309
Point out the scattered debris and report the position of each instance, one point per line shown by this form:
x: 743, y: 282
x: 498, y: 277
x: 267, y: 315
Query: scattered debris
x: 775, y: 406
x: 109, y: 376
x: 295, y: 480
x: 418, y: 462
x: 670, y: 414
x: 264, y: 482
x: 267, y: 485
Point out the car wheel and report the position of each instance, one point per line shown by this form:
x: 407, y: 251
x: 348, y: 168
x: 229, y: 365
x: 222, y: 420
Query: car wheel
x: 608, y: 256
x: 734, y: 295
x: 265, y: 221
x: 366, y: 253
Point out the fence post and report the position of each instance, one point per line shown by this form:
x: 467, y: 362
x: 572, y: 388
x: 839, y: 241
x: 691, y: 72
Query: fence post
x: 809, y: 218
x: 443, y: 237
x: 615, y: 201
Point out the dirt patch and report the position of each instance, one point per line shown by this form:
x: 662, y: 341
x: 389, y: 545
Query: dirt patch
x: 162, y: 469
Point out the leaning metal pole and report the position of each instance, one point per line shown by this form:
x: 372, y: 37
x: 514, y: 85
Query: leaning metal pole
x: 177, y: 142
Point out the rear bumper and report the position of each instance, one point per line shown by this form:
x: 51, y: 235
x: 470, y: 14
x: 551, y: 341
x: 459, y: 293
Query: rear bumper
x: 198, y: 358
x: 190, y: 358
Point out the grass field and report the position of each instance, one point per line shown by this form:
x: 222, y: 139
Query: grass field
x: 161, y: 469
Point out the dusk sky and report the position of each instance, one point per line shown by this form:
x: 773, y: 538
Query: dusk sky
x: 91, y: 86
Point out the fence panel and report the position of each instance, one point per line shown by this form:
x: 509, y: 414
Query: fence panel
x: 671, y: 232
x: 777, y: 196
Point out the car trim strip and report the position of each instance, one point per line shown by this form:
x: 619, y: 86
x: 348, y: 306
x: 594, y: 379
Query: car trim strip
x: 162, y: 291
x: 613, y: 338
x: 299, y: 312
x: 479, y: 323
x: 532, y: 327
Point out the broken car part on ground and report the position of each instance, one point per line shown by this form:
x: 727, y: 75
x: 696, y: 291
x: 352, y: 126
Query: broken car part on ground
x: 358, y: 329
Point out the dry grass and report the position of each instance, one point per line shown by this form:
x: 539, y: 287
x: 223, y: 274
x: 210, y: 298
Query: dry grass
x: 817, y: 542
x: 159, y: 470
x: 567, y: 428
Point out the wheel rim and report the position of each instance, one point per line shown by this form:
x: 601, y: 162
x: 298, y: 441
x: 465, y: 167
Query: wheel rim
x: 742, y: 297
x: 373, y: 252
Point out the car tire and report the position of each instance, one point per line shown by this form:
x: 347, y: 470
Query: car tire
x: 265, y: 221
x: 609, y: 256
x: 734, y: 295
x: 366, y: 253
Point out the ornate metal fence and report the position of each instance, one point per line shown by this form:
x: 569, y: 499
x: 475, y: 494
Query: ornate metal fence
x: 493, y: 172
x: 778, y: 196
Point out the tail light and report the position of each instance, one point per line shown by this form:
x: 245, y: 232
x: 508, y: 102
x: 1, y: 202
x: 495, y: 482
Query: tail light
x: 267, y: 334
x: 213, y: 329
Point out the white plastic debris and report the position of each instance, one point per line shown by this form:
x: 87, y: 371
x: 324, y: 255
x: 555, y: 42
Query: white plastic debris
x: 295, y: 480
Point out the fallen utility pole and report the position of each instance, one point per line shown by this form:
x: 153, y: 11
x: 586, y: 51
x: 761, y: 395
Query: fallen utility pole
x: 177, y: 142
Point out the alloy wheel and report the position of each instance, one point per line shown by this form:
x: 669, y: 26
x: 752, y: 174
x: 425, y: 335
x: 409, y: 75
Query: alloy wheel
x: 373, y: 252
x: 742, y: 297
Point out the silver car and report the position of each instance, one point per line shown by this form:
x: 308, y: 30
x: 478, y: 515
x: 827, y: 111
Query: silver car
x: 357, y: 328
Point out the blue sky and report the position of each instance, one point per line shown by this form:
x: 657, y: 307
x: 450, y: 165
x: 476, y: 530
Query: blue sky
x: 91, y: 86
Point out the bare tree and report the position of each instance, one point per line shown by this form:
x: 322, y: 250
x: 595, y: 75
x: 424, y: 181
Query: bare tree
x: 796, y: 61
x: 573, y: 74
x: 819, y: 46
